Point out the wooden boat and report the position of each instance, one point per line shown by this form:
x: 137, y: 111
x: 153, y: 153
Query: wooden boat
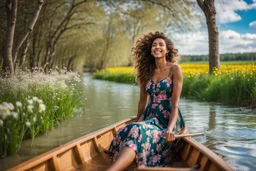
x: 86, y: 153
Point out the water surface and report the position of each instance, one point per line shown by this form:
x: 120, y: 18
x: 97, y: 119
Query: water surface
x: 229, y: 131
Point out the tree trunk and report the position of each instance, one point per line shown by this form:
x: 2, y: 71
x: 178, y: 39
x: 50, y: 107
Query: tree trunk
x: 33, y: 54
x: 30, y: 28
x: 214, y: 58
x: 208, y: 8
x: 23, y: 55
x: 70, y: 63
x: 47, y: 56
x: 11, y: 10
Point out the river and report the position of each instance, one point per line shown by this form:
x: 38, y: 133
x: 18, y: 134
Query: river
x: 229, y: 131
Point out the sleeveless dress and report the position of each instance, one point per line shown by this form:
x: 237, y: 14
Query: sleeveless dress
x: 146, y: 137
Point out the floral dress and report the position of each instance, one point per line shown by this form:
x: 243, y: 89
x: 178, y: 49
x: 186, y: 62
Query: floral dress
x: 146, y: 137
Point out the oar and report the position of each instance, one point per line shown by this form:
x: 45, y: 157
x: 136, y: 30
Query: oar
x: 188, y: 135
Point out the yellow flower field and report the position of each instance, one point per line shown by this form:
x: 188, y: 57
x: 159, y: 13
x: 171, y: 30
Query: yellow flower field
x: 232, y: 84
x: 196, y: 69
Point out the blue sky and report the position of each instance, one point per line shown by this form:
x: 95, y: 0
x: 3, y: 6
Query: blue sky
x: 242, y: 26
x: 236, y: 20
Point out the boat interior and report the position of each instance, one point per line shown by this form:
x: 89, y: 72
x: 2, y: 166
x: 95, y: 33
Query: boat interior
x: 87, y: 154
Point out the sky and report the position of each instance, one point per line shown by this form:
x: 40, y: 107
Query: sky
x: 236, y: 21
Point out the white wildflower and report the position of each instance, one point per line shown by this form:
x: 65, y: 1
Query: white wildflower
x: 39, y: 101
x: 61, y: 85
x: 41, y: 108
x: 5, y: 104
x: 15, y: 115
x: 28, y: 124
x: 55, y: 108
x: 4, y: 111
x: 35, y: 99
x: 77, y: 79
x: 10, y: 106
x: 1, y: 122
x: 18, y: 104
x: 30, y: 108
x: 30, y: 101
x: 34, y: 119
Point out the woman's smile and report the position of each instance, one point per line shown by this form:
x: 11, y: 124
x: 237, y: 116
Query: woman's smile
x: 158, y: 48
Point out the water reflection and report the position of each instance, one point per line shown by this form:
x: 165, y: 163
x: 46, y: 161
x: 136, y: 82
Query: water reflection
x: 230, y: 131
x: 212, y: 118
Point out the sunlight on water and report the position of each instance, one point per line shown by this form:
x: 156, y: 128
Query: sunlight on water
x: 229, y: 131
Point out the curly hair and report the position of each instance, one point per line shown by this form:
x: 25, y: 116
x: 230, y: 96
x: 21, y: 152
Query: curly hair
x: 144, y: 60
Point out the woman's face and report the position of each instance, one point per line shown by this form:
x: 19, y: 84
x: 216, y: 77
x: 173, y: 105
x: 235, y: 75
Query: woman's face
x: 159, y: 49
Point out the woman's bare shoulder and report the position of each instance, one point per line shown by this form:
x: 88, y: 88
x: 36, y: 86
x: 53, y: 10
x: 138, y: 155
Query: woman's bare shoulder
x: 175, y: 68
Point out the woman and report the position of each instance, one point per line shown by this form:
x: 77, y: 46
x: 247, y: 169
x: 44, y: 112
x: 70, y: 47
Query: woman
x: 150, y: 140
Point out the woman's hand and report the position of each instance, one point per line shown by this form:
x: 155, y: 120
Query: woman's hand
x: 169, y: 136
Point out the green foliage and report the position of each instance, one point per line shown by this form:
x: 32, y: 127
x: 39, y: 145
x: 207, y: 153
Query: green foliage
x: 234, y: 88
x: 238, y: 88
x: 116, y: 77
x: 194, y: 86
x: 223, y: 57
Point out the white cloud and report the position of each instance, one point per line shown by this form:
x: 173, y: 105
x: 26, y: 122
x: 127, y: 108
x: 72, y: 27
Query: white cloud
x: 229, y: 42
x: 226, y: 10
x: 191, y: 43
x: 253, y: 24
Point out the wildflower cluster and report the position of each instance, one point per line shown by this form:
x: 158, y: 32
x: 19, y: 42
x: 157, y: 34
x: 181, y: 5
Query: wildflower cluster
x: 31, y: 104
x: 6, y: 110
x: 19, y: 120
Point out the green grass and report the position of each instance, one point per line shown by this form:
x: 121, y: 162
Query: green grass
x: 232, y: 88
x: 127, y: 78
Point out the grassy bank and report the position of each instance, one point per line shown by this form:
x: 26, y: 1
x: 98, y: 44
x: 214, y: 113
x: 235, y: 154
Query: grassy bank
x: 233, y: 84
x: 31, y: 104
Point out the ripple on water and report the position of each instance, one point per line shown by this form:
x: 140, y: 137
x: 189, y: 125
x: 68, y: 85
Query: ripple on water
x: 230, y: 130
x: 236, y: 145
x: 239, y: 156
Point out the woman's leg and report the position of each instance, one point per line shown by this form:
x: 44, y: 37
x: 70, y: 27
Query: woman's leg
x: 124, y: 160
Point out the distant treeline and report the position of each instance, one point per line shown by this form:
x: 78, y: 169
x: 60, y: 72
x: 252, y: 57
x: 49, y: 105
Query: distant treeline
x: 223, y: 57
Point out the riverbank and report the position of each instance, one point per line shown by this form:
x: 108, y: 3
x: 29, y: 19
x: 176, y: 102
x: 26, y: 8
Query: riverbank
x: 32, y: 104
x: 233, y: 84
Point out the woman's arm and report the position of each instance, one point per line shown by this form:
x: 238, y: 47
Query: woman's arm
x: 142, y: 101
x: 176, y: 91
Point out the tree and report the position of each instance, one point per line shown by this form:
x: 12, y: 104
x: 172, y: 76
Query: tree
x: 208, y: 8
x: 10, y: 49
x: 57, y: 31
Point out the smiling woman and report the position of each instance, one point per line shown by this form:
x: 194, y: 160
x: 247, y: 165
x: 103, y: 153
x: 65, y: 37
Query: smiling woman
x: 150, y: 141
x: 145, y: 53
